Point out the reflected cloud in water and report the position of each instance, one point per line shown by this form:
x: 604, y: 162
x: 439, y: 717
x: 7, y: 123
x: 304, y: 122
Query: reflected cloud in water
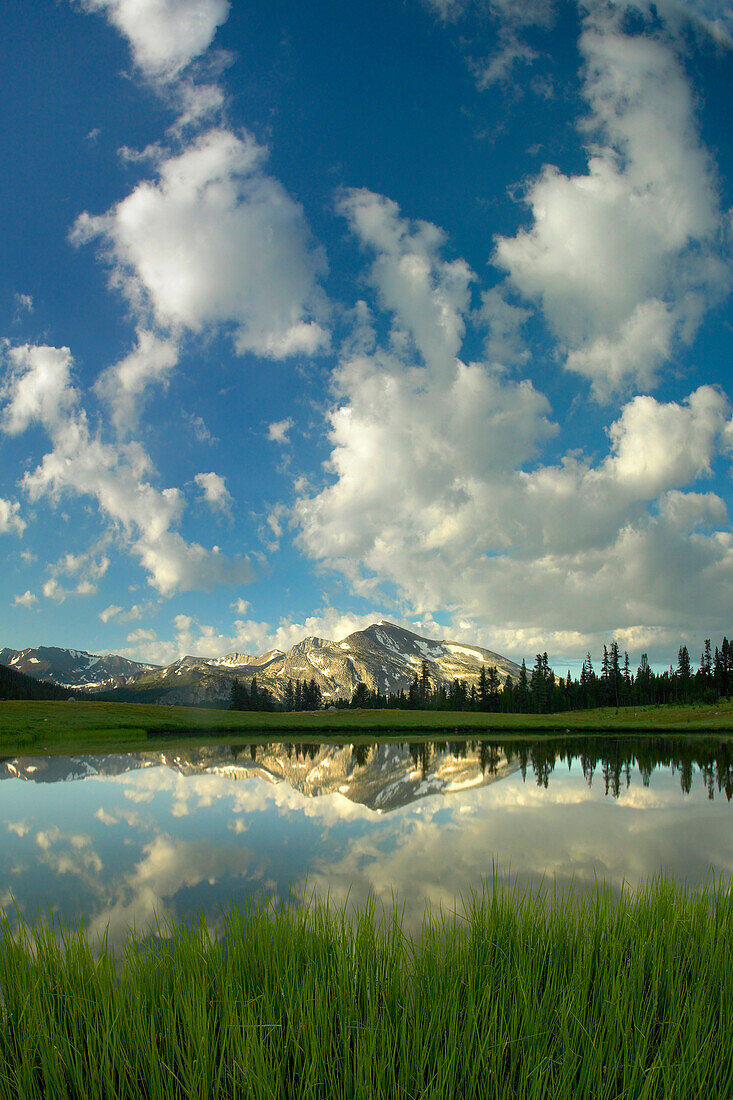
x: 425, y: 822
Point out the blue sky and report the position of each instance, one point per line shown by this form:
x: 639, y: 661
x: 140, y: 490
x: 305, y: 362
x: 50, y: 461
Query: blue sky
x: 314, y: 314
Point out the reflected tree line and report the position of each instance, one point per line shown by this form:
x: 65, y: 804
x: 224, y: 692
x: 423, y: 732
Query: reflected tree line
x: 538, y: 691
x: 607, y: 760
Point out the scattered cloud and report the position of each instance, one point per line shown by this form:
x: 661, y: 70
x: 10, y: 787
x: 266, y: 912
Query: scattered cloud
x: 279, y: 431
x: 200, y: 432
x: 214, y: 240
x: 38, y: 389
x: 500, y: 67
x: 23, y: 303
x: 52, y: 590
x: 504, y: 321
x: 198, y: 105
x: 510, y: 19
x: 124, y: 385
x: 92, y: 563
x: 120, y: 615
x: 447, y: 10
x: 435, y: 486
x: 10, y: 518
x: 105, y: 818
x: 164, y: 35
x: 28, y: 599
x: 427, y: 295
x: 215, y: 491
x: 624, y: 259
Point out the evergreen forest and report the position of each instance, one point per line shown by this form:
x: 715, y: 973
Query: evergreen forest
x: 535, y: 691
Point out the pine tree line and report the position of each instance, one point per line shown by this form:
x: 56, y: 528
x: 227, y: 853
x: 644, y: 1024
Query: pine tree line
x: 301, y: 695
x: 537, y: 692
x: 255, y: 698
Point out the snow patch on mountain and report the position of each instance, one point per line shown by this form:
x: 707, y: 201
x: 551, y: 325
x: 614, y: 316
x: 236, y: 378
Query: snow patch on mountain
x: 383, y: 656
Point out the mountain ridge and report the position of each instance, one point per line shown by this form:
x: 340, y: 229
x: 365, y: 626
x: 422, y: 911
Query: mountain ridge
x: 383, y: 656
x: 73, y: 668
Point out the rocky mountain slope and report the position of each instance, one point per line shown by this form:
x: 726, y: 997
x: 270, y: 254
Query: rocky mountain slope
x: 73, y: 668
x: 382, y: 777
x: 16, y: 685
x: 383, y: 656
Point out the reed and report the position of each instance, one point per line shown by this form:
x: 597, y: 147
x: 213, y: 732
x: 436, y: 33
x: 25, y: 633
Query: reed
x: 513, y: 995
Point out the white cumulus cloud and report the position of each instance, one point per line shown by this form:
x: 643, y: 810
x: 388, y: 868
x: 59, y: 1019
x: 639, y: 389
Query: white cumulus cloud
x: 624, y: 259
x: 434, y: 484
x: 38, y: 389
x: 215, y: 492
x: 427, y: 294
x: 164, y: 35
x: 123, y: 385
x: 279, y: 430
x: 214, y: 240
x: 10, y: 518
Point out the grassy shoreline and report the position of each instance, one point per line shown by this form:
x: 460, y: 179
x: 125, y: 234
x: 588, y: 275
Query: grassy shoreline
x: 513, y: 997
x: 61, y: 728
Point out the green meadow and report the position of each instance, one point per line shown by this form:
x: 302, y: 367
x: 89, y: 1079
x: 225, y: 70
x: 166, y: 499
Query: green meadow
x: 511, y: 996
x: 80, y: 726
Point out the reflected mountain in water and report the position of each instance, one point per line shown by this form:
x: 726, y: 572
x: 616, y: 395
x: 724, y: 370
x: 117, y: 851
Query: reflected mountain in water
x: 385, y: 776
x: 379, y: 776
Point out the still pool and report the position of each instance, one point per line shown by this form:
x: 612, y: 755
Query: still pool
x: 119, y: 840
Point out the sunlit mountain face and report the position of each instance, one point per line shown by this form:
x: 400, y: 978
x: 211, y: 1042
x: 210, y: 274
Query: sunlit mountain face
x: 318, y: 315
x: 384, y: 657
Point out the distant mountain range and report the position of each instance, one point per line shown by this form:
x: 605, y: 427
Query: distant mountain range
x: 16, y: 685
x: 383, y: 656
x: 73, y: 668
x: 382, y: 777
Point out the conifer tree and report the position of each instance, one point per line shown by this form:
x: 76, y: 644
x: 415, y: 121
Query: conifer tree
x: 425, y: 686
x: 289, y: 697
x: 360, y: 698
x: 493, y: 684
x: 483, y: 689
x: 523, y: 688
x: 706, y: 663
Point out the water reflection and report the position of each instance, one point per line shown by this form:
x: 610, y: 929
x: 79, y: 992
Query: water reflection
x: 118, y: 838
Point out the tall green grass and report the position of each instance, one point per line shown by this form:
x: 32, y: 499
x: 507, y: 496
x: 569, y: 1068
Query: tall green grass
x: 513, y: 996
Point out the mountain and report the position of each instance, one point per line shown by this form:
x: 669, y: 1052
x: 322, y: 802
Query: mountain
x: 384, y: 657
x: 382, y: 777
x: 73, y: 668
x: 16, y: 685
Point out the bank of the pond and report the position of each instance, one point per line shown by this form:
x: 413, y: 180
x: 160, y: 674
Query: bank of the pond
x: 509, y: 997
x: 81, y: 726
